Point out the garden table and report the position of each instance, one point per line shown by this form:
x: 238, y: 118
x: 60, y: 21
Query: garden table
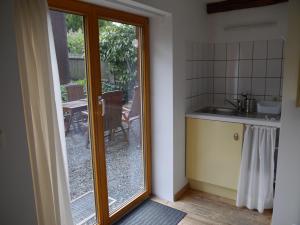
x: 70, y: 109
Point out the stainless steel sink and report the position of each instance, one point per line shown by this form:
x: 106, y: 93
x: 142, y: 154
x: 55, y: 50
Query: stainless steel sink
x: 218, y: 110
x: 233, y: 112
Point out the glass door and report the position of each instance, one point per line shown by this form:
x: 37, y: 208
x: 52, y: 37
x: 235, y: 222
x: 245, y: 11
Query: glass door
x: 69, y: 39
x: 103, y: 63
x: 122, y: 98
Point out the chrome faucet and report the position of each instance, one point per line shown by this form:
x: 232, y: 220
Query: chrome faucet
x: 236, y: 105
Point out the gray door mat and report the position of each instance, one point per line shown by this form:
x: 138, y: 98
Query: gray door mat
x: 152, y: 213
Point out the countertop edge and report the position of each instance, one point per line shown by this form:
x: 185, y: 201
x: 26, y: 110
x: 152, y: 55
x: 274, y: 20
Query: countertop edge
x: 234, y: 119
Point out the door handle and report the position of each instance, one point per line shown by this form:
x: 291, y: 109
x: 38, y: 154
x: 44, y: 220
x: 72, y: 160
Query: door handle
x: 101, y: 102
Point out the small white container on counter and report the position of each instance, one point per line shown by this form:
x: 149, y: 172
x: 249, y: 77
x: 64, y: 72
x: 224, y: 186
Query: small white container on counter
x: 269, y: 107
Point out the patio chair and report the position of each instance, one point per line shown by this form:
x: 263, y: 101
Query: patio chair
x: 113, y: 113
x: 132, y: 113
x: 74, y: 92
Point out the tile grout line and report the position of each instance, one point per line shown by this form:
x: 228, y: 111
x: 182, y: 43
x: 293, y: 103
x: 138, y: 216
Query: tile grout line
x: 251, y: 85
x: 266, y: 71
x: 226, y: 49
x: 213, y: 75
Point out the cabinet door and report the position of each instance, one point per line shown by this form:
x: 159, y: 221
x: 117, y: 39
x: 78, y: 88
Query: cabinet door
x: 214, y: 152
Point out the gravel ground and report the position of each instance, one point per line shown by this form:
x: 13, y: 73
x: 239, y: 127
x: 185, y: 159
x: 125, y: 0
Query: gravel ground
x: 124, y: 161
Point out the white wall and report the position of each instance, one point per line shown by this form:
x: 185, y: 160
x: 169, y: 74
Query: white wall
x: 287, y: 195
x: 189, y: 23
x: 161, y: 58
x: 16, y: 189
x: 274, y: 13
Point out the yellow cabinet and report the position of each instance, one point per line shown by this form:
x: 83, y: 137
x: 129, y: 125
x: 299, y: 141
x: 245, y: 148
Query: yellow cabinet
x: 213, y: 154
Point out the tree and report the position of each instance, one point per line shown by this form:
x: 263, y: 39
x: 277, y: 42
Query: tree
x: 118, y: 51
x: 75, y: 42
x: 74, y: 22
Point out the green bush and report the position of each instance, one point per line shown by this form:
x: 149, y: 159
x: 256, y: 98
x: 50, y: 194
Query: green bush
x: 117, y: 50
x: 64, y: 94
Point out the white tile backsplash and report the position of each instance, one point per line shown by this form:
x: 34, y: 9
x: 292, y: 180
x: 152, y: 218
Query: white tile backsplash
x: 245, y: 68
x: 259, y: 68
x: 258, y: 86
x: 231, y: 85
x: 281, y: 86
x: 274, y: 67
x: 244, y: 85
x: 220, y: 51
x: 208, y: 51
x: 220, y: 68
x: 199, y: 86
x: 275, y: 49
x: 204, y: 85
x: 219, y: 85
x: 219, y: 99
x: 233, y: 51
x: 210, y: 84
x: 260, y: 49
x: 215, y: 71
x: 273, y: 86
x: 246, y: 50
x: 232, y: 68
x: 206, y: 68
x: 194, y: 88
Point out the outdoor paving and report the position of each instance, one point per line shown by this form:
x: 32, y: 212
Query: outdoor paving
x: 124, y: 161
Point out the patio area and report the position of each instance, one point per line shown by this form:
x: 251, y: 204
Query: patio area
x: 125, y: 171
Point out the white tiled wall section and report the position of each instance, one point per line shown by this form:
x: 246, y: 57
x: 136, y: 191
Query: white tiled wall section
x: 218, y: 71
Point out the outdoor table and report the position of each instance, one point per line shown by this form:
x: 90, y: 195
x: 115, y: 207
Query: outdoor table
x: 73, y: 107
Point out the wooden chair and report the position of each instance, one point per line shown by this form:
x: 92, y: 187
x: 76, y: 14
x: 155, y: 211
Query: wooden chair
x: 112, y: 116
x: 74, y: 92
x: 113, y: 113
x: 132, y: 113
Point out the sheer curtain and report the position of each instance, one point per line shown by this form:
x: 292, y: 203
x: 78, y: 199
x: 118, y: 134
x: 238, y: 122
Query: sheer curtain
x: 43, y: 114
x: 255, y: 188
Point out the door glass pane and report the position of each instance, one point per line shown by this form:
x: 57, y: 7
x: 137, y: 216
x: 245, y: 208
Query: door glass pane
x: 70, y: 51
x: 121, y: 91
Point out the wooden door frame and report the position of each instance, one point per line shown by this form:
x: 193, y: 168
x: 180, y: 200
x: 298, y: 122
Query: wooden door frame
x: 91, y: 14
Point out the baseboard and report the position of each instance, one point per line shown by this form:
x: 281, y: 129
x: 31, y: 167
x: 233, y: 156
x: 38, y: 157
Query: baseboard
x: 213, y: 189
x: 180, y: 193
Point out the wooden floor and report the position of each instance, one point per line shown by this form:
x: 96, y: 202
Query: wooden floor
x: 206, y: 209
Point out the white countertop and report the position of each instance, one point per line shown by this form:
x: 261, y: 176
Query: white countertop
x: 235, y: 119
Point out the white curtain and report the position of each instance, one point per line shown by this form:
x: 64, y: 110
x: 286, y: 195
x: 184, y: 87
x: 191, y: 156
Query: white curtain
x: 43, y: 112
x: 255, y: 187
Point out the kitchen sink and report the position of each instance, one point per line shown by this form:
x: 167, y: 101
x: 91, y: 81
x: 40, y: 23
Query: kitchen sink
x: 218, y: 110
x: 233, y: 112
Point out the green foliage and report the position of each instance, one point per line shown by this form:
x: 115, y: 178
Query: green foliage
x: 107, y: 86
x: 74, y: 22
x: 117, y: 51
x: 76, y: 42
x: 64, y: 95
x: 81, y: 82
